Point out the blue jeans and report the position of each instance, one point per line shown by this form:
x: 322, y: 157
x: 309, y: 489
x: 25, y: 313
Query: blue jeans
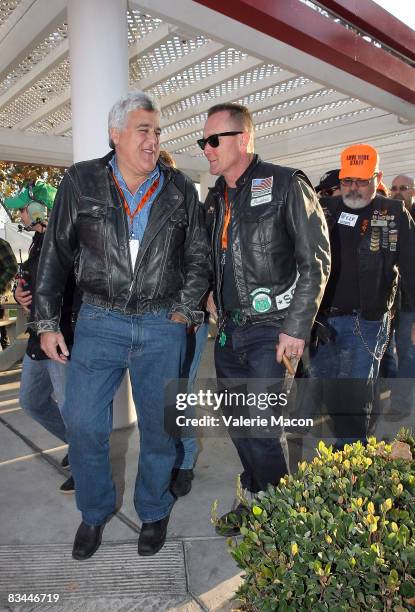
x: 403, y: 395
x: 346, y: 357
x: 186, y: 448
x: 388, y: 366
x: 107, y: 343
x: 249, y: 354
x: 39, y: 380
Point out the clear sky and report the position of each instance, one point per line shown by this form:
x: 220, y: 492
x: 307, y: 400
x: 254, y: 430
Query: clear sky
x: 402, y: 9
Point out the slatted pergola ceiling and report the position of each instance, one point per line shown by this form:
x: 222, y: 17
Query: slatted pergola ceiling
x: 299, y: 121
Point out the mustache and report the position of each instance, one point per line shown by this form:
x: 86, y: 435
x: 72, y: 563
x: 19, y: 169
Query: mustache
x: 353, y: 195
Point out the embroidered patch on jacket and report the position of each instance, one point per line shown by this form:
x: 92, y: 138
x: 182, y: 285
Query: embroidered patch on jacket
x: 261, y: 190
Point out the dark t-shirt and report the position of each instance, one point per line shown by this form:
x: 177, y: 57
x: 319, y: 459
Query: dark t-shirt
x: 342, y: 289
x: 229, y: 291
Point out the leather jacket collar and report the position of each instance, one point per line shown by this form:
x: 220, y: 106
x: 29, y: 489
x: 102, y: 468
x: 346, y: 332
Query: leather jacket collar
x: 219, y: 186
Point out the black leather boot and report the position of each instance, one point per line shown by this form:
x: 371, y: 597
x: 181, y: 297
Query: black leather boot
x: 152, y: 537
x: 87, y: 540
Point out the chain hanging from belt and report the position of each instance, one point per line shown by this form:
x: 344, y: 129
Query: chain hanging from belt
x: 383, y: 348
x: 150, y: 191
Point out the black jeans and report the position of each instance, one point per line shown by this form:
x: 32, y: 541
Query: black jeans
x: 246, y: 355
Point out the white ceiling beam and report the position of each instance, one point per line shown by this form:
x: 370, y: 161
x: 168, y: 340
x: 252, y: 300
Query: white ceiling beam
x: 232, y: 96
x: 36, y: 73
x: 276, y: 129
x: 190, y: 162
x: 186, y: 13
x: 35, y: 148
x: 303, y: 121
x: 332, y: 158
x: 398, y: 143
x: 185, y: 62
x: 14, y: 17
x: 354, y: 129
x: 269, y: 116
x: 46, y: 109
x: 148, y: 43
x: 211, y: 81
x: 143, y: 46
x: 62, y: 128
x: 41, y: 18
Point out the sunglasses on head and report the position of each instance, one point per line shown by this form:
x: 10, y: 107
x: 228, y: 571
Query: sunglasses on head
x: 213, y: 139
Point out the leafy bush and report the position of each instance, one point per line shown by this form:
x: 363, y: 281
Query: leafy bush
x: 339, y: 535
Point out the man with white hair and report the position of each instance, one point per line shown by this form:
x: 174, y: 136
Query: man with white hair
x: 372, y: 242
x: 136, y: 232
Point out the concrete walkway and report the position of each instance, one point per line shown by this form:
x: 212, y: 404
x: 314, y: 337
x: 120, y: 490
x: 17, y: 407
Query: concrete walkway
x: 194, y: 571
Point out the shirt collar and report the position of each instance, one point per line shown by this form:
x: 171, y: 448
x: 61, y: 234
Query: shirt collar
x: 151, y: 177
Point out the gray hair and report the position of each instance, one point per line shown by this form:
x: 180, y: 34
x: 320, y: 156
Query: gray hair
x: 134, y: 100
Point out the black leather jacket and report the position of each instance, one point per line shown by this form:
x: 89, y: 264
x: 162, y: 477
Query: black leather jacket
x: 70, y: 304
x: 89, y: 225
x: 379, y: 268
x: 280, y: 246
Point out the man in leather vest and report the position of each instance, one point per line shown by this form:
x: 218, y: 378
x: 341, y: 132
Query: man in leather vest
x: 271, y: 262
x: 136, y: 230
x: 372, y: 242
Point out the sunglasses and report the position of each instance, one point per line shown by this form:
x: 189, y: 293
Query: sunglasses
x: 327, y: 193
x: 213, y: 139
x: 348, y: 182
x: 400, y: 188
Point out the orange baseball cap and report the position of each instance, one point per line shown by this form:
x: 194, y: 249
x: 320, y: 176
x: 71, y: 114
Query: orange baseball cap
x: 359, y: 161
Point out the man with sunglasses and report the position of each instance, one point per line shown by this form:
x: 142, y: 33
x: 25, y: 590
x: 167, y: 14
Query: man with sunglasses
x: 372, y: 242
x: 271, y: 263
x: 329, y: 184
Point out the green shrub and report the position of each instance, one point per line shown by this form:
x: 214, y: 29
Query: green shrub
x: 339, y: 535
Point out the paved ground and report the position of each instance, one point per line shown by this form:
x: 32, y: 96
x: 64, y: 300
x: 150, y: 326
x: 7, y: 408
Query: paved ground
x: 194, y: 571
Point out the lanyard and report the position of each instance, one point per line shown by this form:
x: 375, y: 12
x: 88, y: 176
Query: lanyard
x: 226, y: 221
x: 141, y: 203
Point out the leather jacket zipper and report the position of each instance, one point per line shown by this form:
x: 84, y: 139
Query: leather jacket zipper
x: 165, y: 183
x: 221, y: 255
x: 127, y: 231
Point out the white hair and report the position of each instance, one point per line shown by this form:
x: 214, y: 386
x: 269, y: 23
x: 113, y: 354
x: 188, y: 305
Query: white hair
x: 134, y: 100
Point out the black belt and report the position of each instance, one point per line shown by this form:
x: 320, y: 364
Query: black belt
x: 237, y: 317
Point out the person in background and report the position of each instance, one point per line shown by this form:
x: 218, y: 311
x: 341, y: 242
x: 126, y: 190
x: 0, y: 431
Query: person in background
x: 329, y: 184
x: 372, y: 243
x: 403, y: 188
x: 8, y: 269
x: 186, y: 447
x: 42, y: 385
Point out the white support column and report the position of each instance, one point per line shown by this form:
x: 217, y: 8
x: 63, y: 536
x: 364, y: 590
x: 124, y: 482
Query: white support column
x: 206, y: 180
x: 98, y: 50
x: 99, y: 70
